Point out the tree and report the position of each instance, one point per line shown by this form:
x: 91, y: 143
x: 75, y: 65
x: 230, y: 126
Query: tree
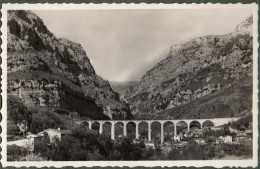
x: 218, y: 152
x: 126, y: 150
x: 148, y: 154
x: 12, y: 128
x: 105, y: 145
x: 17, y: 113
x: 43, y: 120
x: 226, y: 130
x: 194, y: 147
x: 16, y: 110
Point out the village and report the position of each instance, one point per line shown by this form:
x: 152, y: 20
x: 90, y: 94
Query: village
x: 201, y: 137
x: 207, y: 135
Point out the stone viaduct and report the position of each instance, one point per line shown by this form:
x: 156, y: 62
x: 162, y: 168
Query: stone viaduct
x: 215, y: 122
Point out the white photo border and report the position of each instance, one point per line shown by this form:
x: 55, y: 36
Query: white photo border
x: 185, y: 163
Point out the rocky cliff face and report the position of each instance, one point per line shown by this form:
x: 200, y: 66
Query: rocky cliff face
x: 124, y: 88
x: 208, y: 76
x: 46, y: 71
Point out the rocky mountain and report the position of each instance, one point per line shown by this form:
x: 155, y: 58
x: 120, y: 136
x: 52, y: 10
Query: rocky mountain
x: 208, y: 76
x: 123, y: 88
x: 56, y: 73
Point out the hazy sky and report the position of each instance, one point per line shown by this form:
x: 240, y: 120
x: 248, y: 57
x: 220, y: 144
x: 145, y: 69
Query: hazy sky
x: 123, y: 44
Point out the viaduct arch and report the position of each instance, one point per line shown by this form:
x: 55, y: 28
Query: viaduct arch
x: 201, y: 122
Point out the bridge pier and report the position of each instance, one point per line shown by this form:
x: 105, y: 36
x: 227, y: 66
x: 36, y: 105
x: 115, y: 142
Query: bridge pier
x: 90, y: 125
x: 162, y: 133
x: 137, y: 130
x: 124, y: 130
x: 149, y: 132
x: 113, y: 130
x: 100, y: 128
x: 175, y: 129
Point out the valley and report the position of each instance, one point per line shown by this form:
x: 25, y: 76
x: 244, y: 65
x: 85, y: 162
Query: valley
x: 53, y: 88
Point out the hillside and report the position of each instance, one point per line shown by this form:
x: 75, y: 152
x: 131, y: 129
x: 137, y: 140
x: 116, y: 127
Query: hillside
x: 207, y: 77
x: 44, y: 71
x: 123, y: 88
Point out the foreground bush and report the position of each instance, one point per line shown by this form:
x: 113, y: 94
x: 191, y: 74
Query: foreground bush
x: 14, y: 152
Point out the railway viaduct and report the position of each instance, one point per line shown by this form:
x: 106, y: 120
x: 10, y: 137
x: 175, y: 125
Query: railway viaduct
x: 201, y: 122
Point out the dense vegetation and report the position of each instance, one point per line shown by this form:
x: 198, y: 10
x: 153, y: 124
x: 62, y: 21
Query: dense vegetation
x: 88, y: 145
x: 16, y: 153
x: 209, y: 151
x: 243, y: 123
x: 34, y: 119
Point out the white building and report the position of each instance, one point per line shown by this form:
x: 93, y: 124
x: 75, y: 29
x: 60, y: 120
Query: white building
x: 220, y: 140
x: 27, y: 142
x: 200, y: 141
x: 177, y: 138
x: 224, y: 139
x: 149, y: 144
x: 228, y: 139
x: 216, y: 128
x: 54, y: 134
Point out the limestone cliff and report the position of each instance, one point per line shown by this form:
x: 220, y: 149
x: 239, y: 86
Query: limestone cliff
x: 46, y: 71
x: 209, y: 76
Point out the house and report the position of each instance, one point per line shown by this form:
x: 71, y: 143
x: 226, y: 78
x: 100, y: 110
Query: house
x: 232, y: 130
x: 177, y: 138
x: 249, y: 131
x: 28, y: 142
x: 149, y: 144
x: 200, y: 141
x: 224, y: 139
x: 167, y: 144
x: 216, y: 128
x: 249, y: 134
x: 136, y: 141
x: 54, y: 134
x: 182, y: 144
x: 241, y: 136
x: 228, y: 139
x: 220, y: 140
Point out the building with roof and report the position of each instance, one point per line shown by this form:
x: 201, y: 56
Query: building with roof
x: 55, y: 134
x: 149, y: 144
x: 27, y: 142
x: 220, y: 140
x: 200, y: 141
x: 228, y: 139
x: 242, y: 136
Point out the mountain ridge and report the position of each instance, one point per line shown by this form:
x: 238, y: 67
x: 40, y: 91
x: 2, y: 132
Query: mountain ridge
x: 46, y: 71
x: 195, y: 69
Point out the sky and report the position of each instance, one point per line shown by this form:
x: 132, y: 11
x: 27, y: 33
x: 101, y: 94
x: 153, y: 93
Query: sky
x: 123, y: 44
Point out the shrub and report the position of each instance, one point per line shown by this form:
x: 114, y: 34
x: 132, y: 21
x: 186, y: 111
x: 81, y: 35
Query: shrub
x: 14, y: 152
x: 174, y: 154
x: 33, y: 157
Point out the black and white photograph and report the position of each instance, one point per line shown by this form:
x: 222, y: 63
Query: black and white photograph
x: 129, y: 85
